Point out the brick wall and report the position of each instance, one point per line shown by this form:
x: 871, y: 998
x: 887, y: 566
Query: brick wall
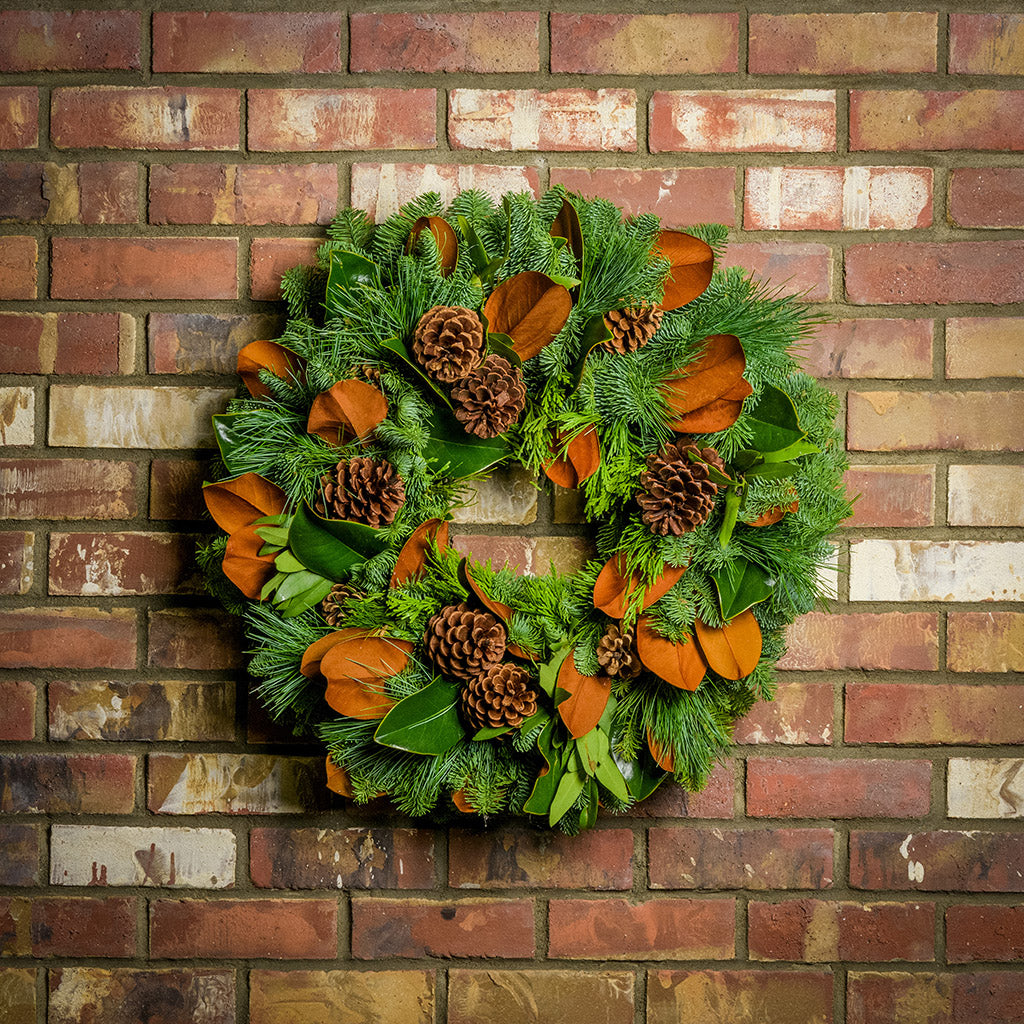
x: 170, y: 855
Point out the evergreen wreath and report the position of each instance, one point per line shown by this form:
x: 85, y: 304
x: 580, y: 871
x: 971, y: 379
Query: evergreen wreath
x: 602, y: 351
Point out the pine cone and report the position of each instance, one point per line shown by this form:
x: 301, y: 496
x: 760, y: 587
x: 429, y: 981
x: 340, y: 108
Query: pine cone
x: 448, y: 342
x: 616, y: 654
x: 676, y: 495
x: 331, y: 605
x: 463, y: 643
x: 631, y: 328
x: 364, y: 491
x: 501, y: 696
x: 491, y: 398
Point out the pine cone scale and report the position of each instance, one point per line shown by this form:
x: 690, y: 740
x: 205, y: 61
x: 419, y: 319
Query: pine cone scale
x: 491, y: 398
x: 503, y: 696
x: 448, y: 342
x: 463, y: 643
x: 676, y: 493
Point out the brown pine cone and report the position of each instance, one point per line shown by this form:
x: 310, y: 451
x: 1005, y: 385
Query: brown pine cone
x: 617, y: 655
x: 448, y: 342
x: 463, y: 643
x: 491, y: 398
x: 364, y: 491
x: 332, y: 605
x: 501, y: 696
x: 631, y: 328
x: 676, y: 495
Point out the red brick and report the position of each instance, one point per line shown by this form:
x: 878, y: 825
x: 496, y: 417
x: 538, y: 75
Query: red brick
x: 87, y: 343
x: 68, y: 926
x: 144, y: 117
x: 814, y: 787
x: 715, y: 800
x: 644, y: 44
x: 20, y: 862
x: 244, y: 929
x: 17, y: 567
x: 194, y: 638
x: 934, y: 272
x: 19, y: 256
x: 18, y: 995
x: 318, y: 120
x: 18, y: 699
x: 987, y: 197
x: 565, y: 120
x: 69, y: 41
x: 801, y: 713
x: 271, y: 257
x: 986, y: 44
x: 175, y: 489
x: 481, y: 42
x: 657, y: 929
x: 804, y: 267
x: 868, y: 347
x: 105, y: 192
x: 994, y: 998
x: 891, y: 495
x: 144, y: 268
x: 744, y: 121
x: 21, y: 191
x: 758, y: 859
x: 521, y: 858
x: 984, y: 933
x: 979, y: 347
x: 985, y: 642
x: 842, y: 44
x: 67, y: 638
x: 67, y: 489
x: 899, y: 998
x: 67, y: 784
x: 19, y: 117
x: 205, y: 342
x: 680, y: 196
x: 906, y: 120
x: 817, y: 931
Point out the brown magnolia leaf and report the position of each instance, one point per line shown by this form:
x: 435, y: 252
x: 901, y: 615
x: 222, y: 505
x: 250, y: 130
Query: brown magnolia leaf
x: 613, y: 592
x: 338, y: 780
x: 268, y: 355
x: 314, y: 653
x: 732, y: 650
x: 355, y: 698
x: 567, y: 225
x: 239, y: 502
x: 352, y: 408
x: 496, y: 608
x: 588, y: 695
x: 716, y: 415
x: 581, y: 460
x: 412, y: 559
x: 462, y: 803
x: 691, y: 663
x: 774, y: 515
x: 356, y: 670
x: 714, y: 374
x: 680, y: 664
x: 664, y: 759
x: 244, y: 565
x: 741, y: 390
x: 530, y: 308
x: 444, y: 235
x: 692, y: 263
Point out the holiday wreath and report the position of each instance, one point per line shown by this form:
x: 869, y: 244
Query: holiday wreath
x: 609, y: 355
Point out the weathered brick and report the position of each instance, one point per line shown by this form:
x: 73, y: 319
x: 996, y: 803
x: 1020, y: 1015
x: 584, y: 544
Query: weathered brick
x: 528, y: 119
x: 644, y: 44
x: 744, y: 121
x: 903, y: 120
x: 271, y: 257
x: 986, y: 44
x: 758, y: 859
x: 987, y: 197
x: 242, y: 193
x: 373, y: 997
x: 17, y: 417
x: 805, y: 267
x: 67, y: 783
x: 175, y: 489
x: 571, y: 997
x: 18, y: 699
x: 522, y: 858
x: 715, y: 800
x: 921, y: 570
x: 134, y: 417
x: 656, y: 929
x: 891, y: 495
x: 113, y: 996
x: 972, y: 861
x: 978, y: 347
x: 480, y: 41
x: 69, y: 40
x: 67, y: 638
x: 380, y: 189
x: 144, y: 117
x: 17, y: 562
x: 172, y: 710
x: 19, y: 258
x: 899, y: 998
x: 985, y: 787
x: 101, y: 192
x: 889, y: 640
x: 20, y: 862
x: 18, y: 995
x: 352, y: 858
x: 205, y: 342
x: 985, y: 495
x: 67, y: 489
x: 228, y: 42
x: 530, y: 555
x: 985, y: 642
x: 318, y: 120
x: 842, y: 44
x: 508, y: 496
x: 68, y: 926
x: 815, y: 787
x: 87, y: 343
x: 984, y: 933
x: 800, y: 714
x: 21, y: 191
x: 19, y: 117
x: 235, y: 784
x: 194, y: 638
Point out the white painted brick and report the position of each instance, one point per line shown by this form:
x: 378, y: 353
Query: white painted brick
x: 508, y: 496
x: 986, y: 495
x: 985, y: 787
x: 17, y: 416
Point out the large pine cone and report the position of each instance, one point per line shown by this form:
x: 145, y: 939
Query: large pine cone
x: 448, y: 342
x: 463, y: 643
x: 676, y: 495
x: 501, y: 696
x: 631, y: 328
x: 491, y: 398
x: 617, y: 655
x: 332, y: 605
x: 363, y: 490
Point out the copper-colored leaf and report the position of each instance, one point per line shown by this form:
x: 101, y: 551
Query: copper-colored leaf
x: 496, y: 608
x: 774, y: 515
x: 318, y: 648
x: 588, y: 695
x: 244, y: 565
x: 691, y: 663
x: 664, y: 759
x: 462, y: 803
x: 613, y: 592
x: 412, y: 559
x: 239, y: 502
x: 581, y: 460
x: 680, y: 664
x: 716, y: 415
x: 692, y: 264
x: 356, y: 670
x: 567, y: 225
x: 714, y: 374
x: 741, y: 390
x: 337, y: 779
x: 268, y: 355
x: 444, y: 235
x: 352, y: 408
x: 530, y: 308
x: 732, y: 650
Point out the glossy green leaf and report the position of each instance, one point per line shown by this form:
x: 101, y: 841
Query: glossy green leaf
x: 545, y: 785
x: 595, y: 333
x: 348, y: 273
x: 297, y: 583
x: 741, y: 584
x: 477, y: 253
x: 287, y: 562
x: 773, y: 470
x: 565, y: 282
x: 549, y: 671
x: 642, y: 776
x: 611, y: 778
x: 307, y: 599
x: 733, y: 500
x: 502, y: 345
x: 793, y: 451
x: 398, y: 347
x: 457, y: 453
x: 271, y: 585
x: 569, y: 788
x: 426, y: 722
x: 276, y: 535
x: 773, y: 423
x: 588, y: 816
x: 229, y: 439
x: 331, y: 547
x: 491, y: 732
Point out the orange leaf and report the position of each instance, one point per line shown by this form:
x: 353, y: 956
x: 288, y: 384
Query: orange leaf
x: 717, y: 371
x: 460, y: 801
x: 268, y: 355
x: 412, y: 558
x: 530, y: 308
x: 612, y: 592
x: 680, y: 664
x: 239, y: 502
x: 581, y: 460
x: 567, y: 225
x: 716, y: 415
x: 337, y: 779
x: 315, y: 651
x: 496, y: 608
x: 664, y: 759
x: 244, y: 565
x: 355, y: 670
x: 692, y: 263
x: 773, y: 515
x: 350, y: 408
x: 444, y: 235
x: 741, y: 390
x: 732, y: 650
x: 588, y: 695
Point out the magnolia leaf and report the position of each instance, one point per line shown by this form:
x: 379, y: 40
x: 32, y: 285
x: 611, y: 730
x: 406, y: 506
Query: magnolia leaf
x: 642, y: 775
x: 445, y: 237
x: 664, y: 757
x: 567, y: 225
x: 793, y: 451
x: 268, y: 355
x: 491, y: 732
x: 569, y: 788
x: 546, y: 783
x: 613, y: 592
x: 398, y: 347
x: 457, y: 453
x: 732, y: 650
x: 477, y: 253
x: 426, y: 722
x: 678, y: 663
x: 308, y: 598
x: 611, y: 778
x: 691, y: 264
x: 412, y: 559
x: 349, y: 272
x: 581, y: 460
x: 548, y: 673
x: 331, y: 547
x: 338, y: 780
x: 773, y: 470
x: 530, y: 308
x: 229, y: 439
x: 296, y: 583
x: 733, y: 500
x: 717, y: 415
x: 773, y: 423
x: 244, y: 565
x: 356, y: 668
x: 741, y: 584
x: 588, y: 816
x: 243, y: 501
x: 351, y: 408
x: 462, y: 803
x: 502, y: 345
x: 588, y: 695
x: 595, y: 333
x: 772, y: 516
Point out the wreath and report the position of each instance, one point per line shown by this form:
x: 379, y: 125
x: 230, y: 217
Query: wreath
x: 601, y: 351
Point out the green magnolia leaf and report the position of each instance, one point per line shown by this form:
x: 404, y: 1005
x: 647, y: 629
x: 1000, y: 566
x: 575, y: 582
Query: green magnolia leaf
x: 501, y: 344
x: 477, y: 253
x: 491, y: 732
x: 773, y: 470
x: 276, y: 535
x: 741, y: 584
x: 611, y: 778
x: 399, y: 349
x: 569, y: 788
x: 349, y: 272
x: 331, y: 547
x: 565, y: 282
x: 588, y: 816
x: 271, y: 585
x: 228, y: 438
x: 642, y: 776
x: 297, y: 583
x: 305, y: 600
x: 545, y: 786
x: 287, y: 562
x: 426, y: 722
x: 595, y: 333
x: 794, y: 451
x: 549, y: 671
x: 773, y: 423
x: 460, y: 454
x: 733, y: 500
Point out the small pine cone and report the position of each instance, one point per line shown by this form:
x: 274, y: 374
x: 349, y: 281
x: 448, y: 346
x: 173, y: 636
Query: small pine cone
x: 676, y: 495
x: 331, y: 605
x: 617, y: 655
x: 370, y: 373
x: 364, y: 491
x: 501, y: 696
x: 631, y: 328
x: 463, y: 643
x: 448, y: 342
x: 491, y: 398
